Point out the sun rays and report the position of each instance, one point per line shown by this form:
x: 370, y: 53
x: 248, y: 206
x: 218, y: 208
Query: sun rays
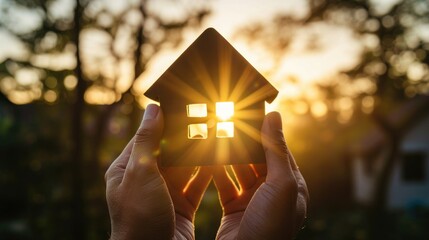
x: 236, y: 92
x: 183, y: 89
x: 203, y: 76
x: 213, y: 101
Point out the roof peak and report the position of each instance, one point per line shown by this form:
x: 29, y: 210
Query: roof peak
x: 213, y: 67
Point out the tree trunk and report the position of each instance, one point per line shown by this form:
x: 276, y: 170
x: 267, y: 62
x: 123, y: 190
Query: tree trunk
x: 139, y: 66
x: 77, y: 204
x: 393, y: 136
x: 414, y: 112
x: 101, y: 131
x: 377, y: 210
x: 382, y: 183
x: 106, y: 113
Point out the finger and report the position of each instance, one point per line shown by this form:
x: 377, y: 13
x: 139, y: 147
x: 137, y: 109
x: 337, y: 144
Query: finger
x: 302, y: 185
x: 245, y: 176
x: 115, y: 172
x: 279, y: 168
x: 292, y: 176
x: 142, y: 164
x: 301, y: 202
x: 260, y: 170
x: 302, y: 197
x: 225, y: 185
x: 197, y: 185
x: 178, y: 177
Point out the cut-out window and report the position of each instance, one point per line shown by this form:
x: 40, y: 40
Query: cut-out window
x: 196, y: 110
x: 224, y: 113
x: 413, y: 167
x: 197, y: 131
x: 224, y: 110
x: 225, y: 130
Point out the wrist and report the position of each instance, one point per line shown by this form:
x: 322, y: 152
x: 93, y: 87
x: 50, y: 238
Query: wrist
x: 229, y: 226
x: 142, y: 231
x: 125, y: 235
x: 185, y: 229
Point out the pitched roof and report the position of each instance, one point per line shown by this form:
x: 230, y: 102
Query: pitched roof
x: 211, y: 68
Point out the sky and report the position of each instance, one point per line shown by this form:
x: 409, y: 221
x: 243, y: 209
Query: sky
x: 340, y: 50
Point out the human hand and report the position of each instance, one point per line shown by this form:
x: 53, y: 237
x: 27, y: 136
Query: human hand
x: 186, y: 186
x: 146, y: 202
x: 272, y: 200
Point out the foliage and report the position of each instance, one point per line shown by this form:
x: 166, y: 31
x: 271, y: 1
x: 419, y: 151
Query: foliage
x: 74, y: 68
x: 42, y: 93
x: 353, y: 224
x: 390, y: 69
x: 392, y: 53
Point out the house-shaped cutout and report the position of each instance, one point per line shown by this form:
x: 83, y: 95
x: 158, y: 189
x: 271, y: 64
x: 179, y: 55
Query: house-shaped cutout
x: 213, y: 102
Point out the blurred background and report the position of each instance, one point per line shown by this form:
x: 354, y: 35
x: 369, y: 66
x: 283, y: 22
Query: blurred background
x: 353, y: 78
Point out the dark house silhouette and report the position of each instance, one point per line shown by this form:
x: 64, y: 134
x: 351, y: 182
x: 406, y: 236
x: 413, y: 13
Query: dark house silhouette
x: 213, y: 102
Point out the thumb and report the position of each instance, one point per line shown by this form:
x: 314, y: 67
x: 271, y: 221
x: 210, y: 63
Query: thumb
x: 274, y: 203
x: 143, y: 158
x: 276, y: 152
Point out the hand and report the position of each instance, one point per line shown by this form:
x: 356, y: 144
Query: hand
x: 272, y: 200
x: 144, y: 202
x: 186, y: 186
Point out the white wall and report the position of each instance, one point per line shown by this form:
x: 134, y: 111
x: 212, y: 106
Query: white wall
x: 363, y: 183
x: 403, y: 194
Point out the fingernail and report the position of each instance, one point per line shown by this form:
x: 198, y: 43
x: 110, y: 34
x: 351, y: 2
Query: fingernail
x: 151, y: 112
x: 275, y: 120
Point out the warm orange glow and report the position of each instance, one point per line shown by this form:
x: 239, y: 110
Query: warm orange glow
x: 50, y: 96
x: 188, y: 92
x: 196, y: 110
x: 319, y: 109
x: 254, y: 97
x: 20, y: 97
x: 193, y: 176
x: 197, y: 131
x: 70, y: 82
x: 300, y: 107
x: 225, y: 130
x: 345, y: 116
x: 203, y: 76
x: 343, y: 104
x: 100, y: 95
x: 222, y: 151
x: 228, y: 99
x: 224, y: 68
x: 224, y: 110
x: 248, y: 129
x: 367, y: 104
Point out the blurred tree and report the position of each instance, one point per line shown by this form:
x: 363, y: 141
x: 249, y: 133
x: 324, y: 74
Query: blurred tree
x: 392, y: 67
x: 85, y: 56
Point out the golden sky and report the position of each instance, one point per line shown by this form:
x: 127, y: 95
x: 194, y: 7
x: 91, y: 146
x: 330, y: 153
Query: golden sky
x: 339, y: 49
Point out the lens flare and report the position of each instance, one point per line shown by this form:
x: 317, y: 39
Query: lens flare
x: 196, y: 110
x: 224, y: 110
x: 225, y: 130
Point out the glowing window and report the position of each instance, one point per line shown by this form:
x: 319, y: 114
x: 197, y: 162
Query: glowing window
x: 197, y: 131
x: 224, y: 110
x: 225, y: 130
x: 196, y: 110
x: 224, y: 113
